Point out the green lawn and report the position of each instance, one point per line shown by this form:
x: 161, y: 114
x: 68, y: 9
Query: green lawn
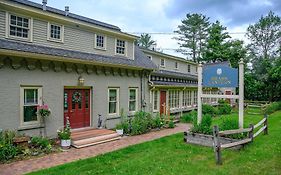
x: 170, y: 155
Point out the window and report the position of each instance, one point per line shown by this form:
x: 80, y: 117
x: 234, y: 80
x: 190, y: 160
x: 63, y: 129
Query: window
x: 149, y: 56
x: 196, y: 69
x: 100, y: 41
x: 155, y: 103
x: 174, y: 98
x: 55, y: 32
x: 19, y: 26
x: 133, y: 99
x: 31, y: 97
x: 195, y: 97
x: 188, y: 68
x: 120, y: 47
x: 113, y: 100
x: 176, y: 65
x: 162, y: 62
x: 187, y: 98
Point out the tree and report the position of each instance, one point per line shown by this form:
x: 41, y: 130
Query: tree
x: 145, y: 41
x: 193, y: 33
x: 217, y: 47
x: 265, y: 36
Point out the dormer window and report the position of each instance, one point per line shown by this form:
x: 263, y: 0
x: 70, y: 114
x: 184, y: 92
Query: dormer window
x: 55, y: 32
x: 100, y: 41
x: 162, y: 62
x: 19, y: 27
x: 120, y: 47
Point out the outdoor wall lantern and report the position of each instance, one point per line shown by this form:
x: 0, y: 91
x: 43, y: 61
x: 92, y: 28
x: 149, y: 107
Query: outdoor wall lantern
x: 81, y: 81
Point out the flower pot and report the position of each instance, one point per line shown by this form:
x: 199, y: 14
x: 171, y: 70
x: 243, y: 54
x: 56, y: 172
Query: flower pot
x: 120, y: 131
x: 65, y: 143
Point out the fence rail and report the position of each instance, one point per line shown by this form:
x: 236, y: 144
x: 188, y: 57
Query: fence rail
x: 218, y: 147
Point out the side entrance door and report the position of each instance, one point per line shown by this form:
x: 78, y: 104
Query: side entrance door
x: 163, y: 104
x: 77, y: 107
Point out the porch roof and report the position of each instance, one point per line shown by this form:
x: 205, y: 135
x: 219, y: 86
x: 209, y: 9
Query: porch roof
x: 140, y: 61
x: 173, y: 74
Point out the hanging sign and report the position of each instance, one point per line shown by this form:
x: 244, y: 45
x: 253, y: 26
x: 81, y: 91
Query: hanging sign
x: 219, y: 76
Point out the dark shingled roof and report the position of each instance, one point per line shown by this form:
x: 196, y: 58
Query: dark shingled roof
x: 71, y: 15
x: 140, y: 61
x: 174, y: 74
x: 177, y: 84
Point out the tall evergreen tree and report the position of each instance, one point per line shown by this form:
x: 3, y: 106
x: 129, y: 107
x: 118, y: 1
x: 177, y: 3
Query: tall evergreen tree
x: 193, y: 33
x: 217, y: 47
x: 145, y: 41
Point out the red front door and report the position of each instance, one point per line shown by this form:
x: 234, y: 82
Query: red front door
x: 163, y: 104
x: 77, y: 107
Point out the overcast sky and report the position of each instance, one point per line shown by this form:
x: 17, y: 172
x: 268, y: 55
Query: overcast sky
x: 163, y: 16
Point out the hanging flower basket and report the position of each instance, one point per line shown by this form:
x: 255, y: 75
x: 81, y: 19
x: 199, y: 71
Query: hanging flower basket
x: 76, y: 97
x: 44, y: 111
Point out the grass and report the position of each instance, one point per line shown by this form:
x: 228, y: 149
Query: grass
x: 170, y: 155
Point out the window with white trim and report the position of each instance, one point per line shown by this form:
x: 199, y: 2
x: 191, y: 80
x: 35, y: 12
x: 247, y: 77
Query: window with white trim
x: 195, y: 97
x: 155, y: 95
x: 188, y: 68
x: 133, y: 93
x: 187, y: 98
x: 30, y: 98
x: 113, y: 100
x: 100, y: 41
x: 120, y: 47
x: 174, y: 98
x: 19, y: 26
x: 162, y: 62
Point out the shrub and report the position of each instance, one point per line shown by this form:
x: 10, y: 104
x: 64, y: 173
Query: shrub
x: 275, y: 106
x: 41, y: 143
x: 230, y: 124
x: 7, y: 151
x: 171, y: 124
x: 224, y: 108
x: 140, y: 123
x: 204, y: 127
x: 208, y: 109
x: 188, y: 117
x: 158, y: 122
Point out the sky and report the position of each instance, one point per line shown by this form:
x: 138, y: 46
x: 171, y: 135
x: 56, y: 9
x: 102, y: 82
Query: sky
x: 163, y: 16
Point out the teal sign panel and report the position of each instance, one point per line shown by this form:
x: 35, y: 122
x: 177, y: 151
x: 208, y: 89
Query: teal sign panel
x: 220, y: 76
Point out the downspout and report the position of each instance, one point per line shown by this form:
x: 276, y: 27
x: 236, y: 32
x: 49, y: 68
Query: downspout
x: 141, y: 90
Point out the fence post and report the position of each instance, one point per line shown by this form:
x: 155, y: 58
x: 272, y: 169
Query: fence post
x: 217, y: 146
x: 251, y: 132
x: 265, y: 131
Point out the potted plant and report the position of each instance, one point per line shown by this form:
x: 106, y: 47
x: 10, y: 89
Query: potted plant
x: 64, y: 135
x: 119, y: 129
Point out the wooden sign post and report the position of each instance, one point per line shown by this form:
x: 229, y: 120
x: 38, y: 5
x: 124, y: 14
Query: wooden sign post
x: 220, y: 76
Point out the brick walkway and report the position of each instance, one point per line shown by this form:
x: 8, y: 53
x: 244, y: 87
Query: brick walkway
x: 25, y: 166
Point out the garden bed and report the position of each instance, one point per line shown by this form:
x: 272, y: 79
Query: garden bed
x: 206, y: 140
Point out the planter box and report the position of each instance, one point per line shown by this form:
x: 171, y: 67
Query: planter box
x: 206, y: 140
x: 21, y: 141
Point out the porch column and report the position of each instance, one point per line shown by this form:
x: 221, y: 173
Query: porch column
x: 199, y: 99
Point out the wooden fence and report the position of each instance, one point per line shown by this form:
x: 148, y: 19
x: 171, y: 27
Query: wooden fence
x: 256, y: 105
x: 218, y: 147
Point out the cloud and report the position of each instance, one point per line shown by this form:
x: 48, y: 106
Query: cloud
x: 230, y: 12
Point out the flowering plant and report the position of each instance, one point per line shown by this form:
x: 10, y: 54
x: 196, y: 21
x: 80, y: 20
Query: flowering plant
x: 44, y: 110
x: 65, y: 133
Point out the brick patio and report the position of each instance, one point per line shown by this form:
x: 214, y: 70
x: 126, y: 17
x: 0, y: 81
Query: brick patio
x: 25, y: 166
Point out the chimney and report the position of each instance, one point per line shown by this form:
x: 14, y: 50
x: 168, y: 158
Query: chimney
x: 44, y: 2
x: 66, y: 10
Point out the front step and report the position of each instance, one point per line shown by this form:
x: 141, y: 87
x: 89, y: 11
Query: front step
x: 89, y: 137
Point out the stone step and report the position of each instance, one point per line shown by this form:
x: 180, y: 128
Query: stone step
x: 95, y: 140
